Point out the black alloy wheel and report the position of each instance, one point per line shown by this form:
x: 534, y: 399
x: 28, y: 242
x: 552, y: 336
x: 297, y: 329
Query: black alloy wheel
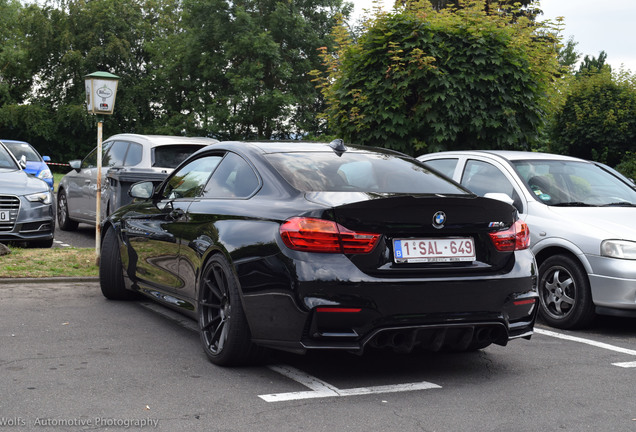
x: 223, y: 328
x: 66, y: 224
x: 565, y: 295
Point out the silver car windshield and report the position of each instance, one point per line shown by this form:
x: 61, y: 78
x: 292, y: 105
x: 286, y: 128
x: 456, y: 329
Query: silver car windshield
x: 573, y: 183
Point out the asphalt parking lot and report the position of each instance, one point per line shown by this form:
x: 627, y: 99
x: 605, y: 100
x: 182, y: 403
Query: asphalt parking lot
x: 72, y: 360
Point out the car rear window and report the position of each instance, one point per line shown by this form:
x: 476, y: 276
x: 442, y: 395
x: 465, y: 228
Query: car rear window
x: 360, y: 172
x: 169, y: 156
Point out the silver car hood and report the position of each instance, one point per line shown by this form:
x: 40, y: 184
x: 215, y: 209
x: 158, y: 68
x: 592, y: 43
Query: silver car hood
x: 599, y: 222
x: 17, y: 182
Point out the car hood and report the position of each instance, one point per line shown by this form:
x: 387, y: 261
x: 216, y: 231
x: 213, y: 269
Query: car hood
x: 604, y: 222
x: 17, y: 182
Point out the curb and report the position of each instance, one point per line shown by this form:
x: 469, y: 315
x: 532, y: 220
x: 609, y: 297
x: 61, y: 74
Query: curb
x: 49, y: 279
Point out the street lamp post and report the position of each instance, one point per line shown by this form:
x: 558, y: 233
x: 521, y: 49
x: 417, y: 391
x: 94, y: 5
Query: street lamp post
x: 101, y: 89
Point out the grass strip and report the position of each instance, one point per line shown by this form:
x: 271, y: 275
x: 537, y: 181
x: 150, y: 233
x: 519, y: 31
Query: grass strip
x: 53, y: 262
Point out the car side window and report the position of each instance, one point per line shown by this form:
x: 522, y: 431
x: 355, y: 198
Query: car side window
x: 190, y: 180
x: 482, y: 178
x: 5, y: 159
x: 133, y: 157
x: 234, y: 178
x: 90, y: 161
x: 115, y: 154
x: 445, y: 166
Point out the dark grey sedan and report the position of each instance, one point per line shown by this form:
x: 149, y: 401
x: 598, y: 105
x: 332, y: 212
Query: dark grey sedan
x: 26, y: 205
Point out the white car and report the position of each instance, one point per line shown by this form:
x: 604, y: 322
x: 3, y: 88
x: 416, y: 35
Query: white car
x: 581, y: 217
x: 126, y: 159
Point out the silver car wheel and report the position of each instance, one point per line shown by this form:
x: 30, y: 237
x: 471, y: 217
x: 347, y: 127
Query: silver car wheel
x: 564, y: 289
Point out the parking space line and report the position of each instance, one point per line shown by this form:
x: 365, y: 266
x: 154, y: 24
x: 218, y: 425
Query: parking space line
x: 322, y: 389
x: 626, y: 364
x: 592, y: 343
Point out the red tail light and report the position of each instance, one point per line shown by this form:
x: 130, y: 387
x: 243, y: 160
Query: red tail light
x: 517, y: 237
x: 319, y: 235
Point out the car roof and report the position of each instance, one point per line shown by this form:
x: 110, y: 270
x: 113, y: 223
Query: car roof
x: 10, y: 141
x: 159, y: 140
x: 510, y: 155
x: 302, y: 146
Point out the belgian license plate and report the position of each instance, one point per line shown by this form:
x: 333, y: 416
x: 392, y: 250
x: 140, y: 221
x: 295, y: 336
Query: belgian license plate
x: 4, y: 216
x: 434, y: 250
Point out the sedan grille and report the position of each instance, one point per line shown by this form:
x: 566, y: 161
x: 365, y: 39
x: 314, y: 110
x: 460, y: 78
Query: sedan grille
x: 9, y: 208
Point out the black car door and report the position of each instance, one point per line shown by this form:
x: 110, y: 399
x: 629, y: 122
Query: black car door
x: 155, y: 232
x: 215, y: 213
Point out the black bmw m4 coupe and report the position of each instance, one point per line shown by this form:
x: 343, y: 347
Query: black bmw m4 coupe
x: 322, y: 246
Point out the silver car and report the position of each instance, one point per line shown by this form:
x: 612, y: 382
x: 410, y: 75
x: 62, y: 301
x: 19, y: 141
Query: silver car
x: 581, y: 217
x: 126, y: 159
x: 26, y: 205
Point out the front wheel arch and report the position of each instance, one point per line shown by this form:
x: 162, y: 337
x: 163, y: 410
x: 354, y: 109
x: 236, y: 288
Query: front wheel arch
x: 565, y: 295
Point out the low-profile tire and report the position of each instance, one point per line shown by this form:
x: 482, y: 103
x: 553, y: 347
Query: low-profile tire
x: 111, y: 277
x: 223, y: 328
x: 565, y: 295
x: 63, y: 219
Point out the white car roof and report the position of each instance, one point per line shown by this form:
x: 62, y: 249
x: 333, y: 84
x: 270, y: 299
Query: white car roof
x: 510, y: 155
x: 159, y: 140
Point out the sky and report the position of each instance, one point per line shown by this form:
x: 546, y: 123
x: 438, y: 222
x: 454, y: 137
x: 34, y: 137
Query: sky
x: 596, y: 26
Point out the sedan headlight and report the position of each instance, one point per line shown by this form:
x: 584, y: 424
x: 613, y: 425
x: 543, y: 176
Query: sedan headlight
x: 45, y: 174
x: 619, y: 249
x: 43, y: 197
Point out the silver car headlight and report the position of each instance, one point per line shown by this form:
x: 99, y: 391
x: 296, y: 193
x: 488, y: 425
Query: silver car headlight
x: 619, y: 249
x: 43, y: 197
x: 45, y: 174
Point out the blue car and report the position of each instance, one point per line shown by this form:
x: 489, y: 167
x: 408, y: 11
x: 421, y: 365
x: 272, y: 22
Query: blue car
x: 35, y: 164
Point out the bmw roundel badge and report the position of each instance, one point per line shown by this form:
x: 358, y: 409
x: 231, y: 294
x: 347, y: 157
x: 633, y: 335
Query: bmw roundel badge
x: 439, y: 219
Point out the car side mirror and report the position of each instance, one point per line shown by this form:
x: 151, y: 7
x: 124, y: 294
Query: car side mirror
x: 500, y: 197
x: 46, y: 158
x: 142, y: 190
x: 22, y: 162
x: 75, y: 164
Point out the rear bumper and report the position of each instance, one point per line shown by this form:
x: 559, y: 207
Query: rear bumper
x: 319, y: 309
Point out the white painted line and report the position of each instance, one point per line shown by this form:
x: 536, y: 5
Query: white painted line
x: 626, y: 364
x: 585, y: 341
x: 322, y: 389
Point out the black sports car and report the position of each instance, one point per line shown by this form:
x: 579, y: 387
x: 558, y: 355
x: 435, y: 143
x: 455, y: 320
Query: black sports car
x: 302, y: 246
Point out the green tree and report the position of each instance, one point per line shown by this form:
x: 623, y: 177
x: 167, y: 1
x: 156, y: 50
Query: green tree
x: 441, y: 4
x: 598, y: 119
x: 67, y: 39
x: 591, y: 65
x: 567, y: 54
x: 247, y: 65
x: 424, y: 80
x: 16, y: 75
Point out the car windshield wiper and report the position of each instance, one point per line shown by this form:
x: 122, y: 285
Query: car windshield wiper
x: 573, y: 204
x: 619, y: 204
